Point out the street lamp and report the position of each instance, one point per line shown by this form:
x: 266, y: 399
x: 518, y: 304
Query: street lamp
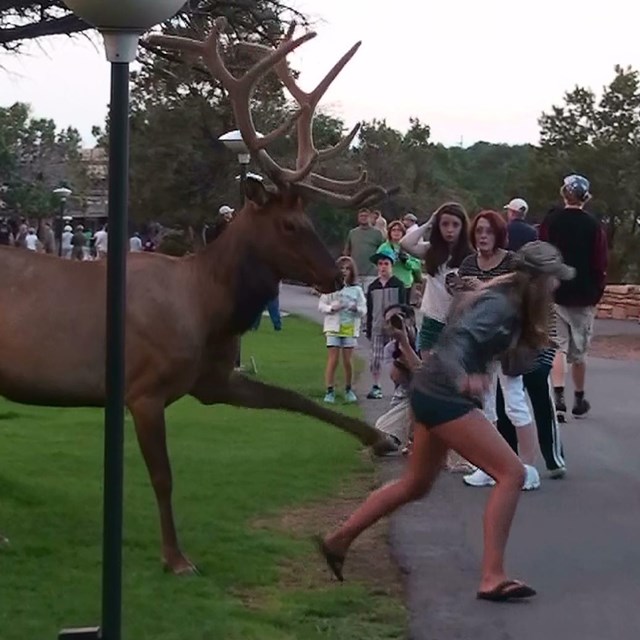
x: 234, y: 142
x: 121, y: 23
x: 63, y: 194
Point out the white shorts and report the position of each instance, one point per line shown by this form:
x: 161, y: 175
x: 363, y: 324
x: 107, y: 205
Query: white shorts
x: 515, y: 398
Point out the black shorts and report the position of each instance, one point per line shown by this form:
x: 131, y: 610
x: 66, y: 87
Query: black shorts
x: 432, y: 411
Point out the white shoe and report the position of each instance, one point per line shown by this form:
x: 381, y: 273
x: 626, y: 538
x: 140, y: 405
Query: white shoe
x: 479, y: 479
x: 531, y: 478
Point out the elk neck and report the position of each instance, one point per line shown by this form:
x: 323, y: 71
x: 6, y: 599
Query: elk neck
x: 231, y: 262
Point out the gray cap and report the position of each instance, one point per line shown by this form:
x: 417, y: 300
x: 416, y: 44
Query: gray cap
x: 542, y: 257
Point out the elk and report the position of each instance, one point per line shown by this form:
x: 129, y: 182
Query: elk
x: 184, y: 315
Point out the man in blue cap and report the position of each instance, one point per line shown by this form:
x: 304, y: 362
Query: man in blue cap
x: 582, y: 241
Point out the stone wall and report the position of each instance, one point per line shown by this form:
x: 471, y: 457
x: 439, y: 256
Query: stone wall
x: 620, y: 302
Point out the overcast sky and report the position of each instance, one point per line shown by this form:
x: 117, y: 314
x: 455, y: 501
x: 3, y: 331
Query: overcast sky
x: 472, y: 70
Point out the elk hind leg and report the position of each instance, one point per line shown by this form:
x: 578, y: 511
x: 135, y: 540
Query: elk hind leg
x: 148, y: 416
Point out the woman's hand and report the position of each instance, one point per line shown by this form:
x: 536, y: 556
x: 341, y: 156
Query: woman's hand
x: 336, y: 305
x: 470, y: 283
x: 400, y: 335
x: 475, y: 384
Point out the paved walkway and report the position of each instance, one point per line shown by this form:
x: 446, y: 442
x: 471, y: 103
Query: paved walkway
x: 576, y: 540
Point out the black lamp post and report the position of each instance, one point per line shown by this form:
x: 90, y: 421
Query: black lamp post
x: 234, y: 142
x: 121, y: 24
x: 63, y: 194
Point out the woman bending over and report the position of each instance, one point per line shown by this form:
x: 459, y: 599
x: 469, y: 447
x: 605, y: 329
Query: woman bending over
x: 510, y: 313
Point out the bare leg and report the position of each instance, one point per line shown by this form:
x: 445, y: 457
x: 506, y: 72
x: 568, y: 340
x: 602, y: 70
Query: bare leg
x: 475, y: 438
x: 579, y: 373
x: 424, y: 465
x: 559, y: 369
x: 348, y: 369
x: 332, y: 362
x: 527, y: 443
x: 148, y: 415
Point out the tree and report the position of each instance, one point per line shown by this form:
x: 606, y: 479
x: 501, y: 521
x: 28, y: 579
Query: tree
x: 22, y: 20
x: 601, y: 139
x: 34, y: 159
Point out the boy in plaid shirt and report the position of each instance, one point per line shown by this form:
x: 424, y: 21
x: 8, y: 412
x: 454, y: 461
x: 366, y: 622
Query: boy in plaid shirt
x: 386, y: 290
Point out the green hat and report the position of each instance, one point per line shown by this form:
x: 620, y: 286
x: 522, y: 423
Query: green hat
x: 542, y: 257
x: 383, y: 254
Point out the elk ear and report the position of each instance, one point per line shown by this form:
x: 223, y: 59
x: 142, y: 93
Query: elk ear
x: 255, y: 191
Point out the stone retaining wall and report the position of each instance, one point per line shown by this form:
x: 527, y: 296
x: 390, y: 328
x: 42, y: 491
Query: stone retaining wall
x: 620, y: 302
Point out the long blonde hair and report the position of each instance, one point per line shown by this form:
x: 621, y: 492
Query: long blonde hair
x: 529, y: 294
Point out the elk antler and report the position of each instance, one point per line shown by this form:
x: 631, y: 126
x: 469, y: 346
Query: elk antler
x: 240, y: 91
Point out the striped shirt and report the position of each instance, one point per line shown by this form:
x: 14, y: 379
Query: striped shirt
x: 470, y: 268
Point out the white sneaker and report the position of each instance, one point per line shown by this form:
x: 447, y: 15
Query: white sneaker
x: 531, y: 478
x: 479, y: 479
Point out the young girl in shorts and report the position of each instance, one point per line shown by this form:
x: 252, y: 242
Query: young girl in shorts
x: 344, y: 310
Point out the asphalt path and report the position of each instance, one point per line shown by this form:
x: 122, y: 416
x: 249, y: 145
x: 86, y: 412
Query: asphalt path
x: 576, y: 540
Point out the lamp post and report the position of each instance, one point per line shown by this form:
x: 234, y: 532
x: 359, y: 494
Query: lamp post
x: 63, y: 194
x: 121, y: 24
x: 234, y: 142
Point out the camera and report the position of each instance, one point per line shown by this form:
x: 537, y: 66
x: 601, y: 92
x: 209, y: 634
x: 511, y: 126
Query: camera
x: 397, y: 320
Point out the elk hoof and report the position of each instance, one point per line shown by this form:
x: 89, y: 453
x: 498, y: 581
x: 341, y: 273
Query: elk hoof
x: 181, y: 566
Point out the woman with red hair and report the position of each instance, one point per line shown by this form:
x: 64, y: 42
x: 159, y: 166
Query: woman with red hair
x: 488, y: 237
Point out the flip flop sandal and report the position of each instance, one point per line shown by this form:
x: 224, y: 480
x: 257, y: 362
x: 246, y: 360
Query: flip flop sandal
x: 507, y: 590
x: 334, y: 561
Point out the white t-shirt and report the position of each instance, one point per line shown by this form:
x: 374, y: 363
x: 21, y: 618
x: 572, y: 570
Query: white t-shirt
x: 31, y: 241
x: 101, y: 240
x: 436, y: 300
x: 135, y: 244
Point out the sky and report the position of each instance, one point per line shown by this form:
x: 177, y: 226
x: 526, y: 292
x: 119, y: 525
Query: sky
x: 471, y: 70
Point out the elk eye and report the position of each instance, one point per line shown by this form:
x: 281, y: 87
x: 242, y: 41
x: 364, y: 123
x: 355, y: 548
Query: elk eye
x: 288, y: 226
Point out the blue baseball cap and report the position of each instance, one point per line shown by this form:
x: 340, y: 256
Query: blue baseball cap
x: 577, y: 186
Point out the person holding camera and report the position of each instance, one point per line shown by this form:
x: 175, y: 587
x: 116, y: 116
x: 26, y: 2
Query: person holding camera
x: 401, y: 354
x: 406, y: 268
x: 509, y: 313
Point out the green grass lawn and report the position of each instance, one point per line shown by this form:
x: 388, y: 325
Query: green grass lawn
x: 231, y: 467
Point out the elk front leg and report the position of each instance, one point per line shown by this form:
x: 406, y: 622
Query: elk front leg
x: 148, y: 416
x: 253, y: 394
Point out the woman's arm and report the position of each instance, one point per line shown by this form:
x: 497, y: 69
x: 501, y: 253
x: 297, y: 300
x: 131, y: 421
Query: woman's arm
x: 409, y: 357
x: 361, y: 309
x: 327, y: 305
x: 413, y: 242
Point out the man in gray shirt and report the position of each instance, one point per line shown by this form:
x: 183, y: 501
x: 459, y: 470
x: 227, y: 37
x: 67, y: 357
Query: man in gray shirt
x: 362, y: 242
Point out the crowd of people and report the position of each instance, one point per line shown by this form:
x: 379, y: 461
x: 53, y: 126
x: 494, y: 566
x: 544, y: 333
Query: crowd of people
x: 73, y: 243
x: 505, y: 307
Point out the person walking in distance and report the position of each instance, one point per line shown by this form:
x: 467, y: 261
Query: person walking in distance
x: 445, y: 398
x: 582, y: 241
x: 518, y: 231
x: 362, y: 243
x: 101, y: 242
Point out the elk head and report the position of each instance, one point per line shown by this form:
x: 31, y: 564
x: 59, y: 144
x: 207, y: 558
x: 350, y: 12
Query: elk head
x: 282, y: 235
